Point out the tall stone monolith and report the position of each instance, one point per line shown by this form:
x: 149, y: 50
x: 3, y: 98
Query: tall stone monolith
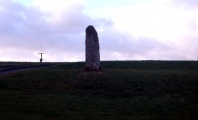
x: 92, y: 49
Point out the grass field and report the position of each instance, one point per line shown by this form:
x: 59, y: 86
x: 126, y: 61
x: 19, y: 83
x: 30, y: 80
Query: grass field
x: 125, y: 90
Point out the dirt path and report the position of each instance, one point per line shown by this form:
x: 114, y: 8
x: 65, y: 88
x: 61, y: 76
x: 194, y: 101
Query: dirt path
x: 21, y: 68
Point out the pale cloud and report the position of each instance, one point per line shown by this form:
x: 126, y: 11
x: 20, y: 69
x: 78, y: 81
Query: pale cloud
x: 30, y: 30
x: 158, y: 20
x: 189, y: 4
x: 128, y: 30
x: 54, y: 6
x: 163, y: 21
x: 123, y: 46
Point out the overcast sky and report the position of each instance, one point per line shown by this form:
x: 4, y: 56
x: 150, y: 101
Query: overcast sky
x: 127, y: 29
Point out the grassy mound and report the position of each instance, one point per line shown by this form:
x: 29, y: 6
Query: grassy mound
x: 139, y: 90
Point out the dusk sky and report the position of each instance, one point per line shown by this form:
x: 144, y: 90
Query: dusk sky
x: 127, y: 29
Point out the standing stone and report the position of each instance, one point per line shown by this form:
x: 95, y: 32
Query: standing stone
x: 92, y: 62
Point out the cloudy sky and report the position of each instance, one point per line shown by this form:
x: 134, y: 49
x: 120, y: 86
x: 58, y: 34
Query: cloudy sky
x: 127, y: 29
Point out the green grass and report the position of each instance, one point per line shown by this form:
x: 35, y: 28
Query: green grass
x: 125, y: 90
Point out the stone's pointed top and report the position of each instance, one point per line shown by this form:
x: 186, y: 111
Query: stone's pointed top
x: 90, y: 27
x: 91, y: 30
